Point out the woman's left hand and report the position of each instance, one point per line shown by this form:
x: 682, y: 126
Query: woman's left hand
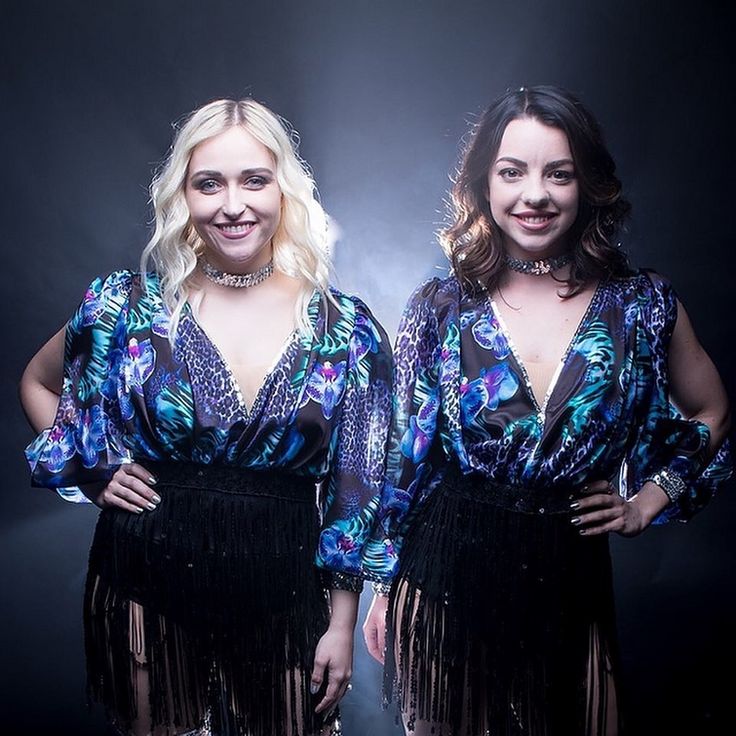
x: 333, y: 660
x: 602, y: 510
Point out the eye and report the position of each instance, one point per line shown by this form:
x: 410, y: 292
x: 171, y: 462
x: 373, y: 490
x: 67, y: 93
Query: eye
x: 510, y: 174
x: 562, y: 176
x: 256, y: 182
x: 207, y: 186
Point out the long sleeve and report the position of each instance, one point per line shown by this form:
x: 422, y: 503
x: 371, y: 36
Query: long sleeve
x: 84, y: 444
x: 413, y: 437
x: 665, y: 441
x: 353, y: 486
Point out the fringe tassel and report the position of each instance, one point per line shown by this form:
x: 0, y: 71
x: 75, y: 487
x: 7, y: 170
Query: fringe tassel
x: 491, y: 617
x: 232, y: 609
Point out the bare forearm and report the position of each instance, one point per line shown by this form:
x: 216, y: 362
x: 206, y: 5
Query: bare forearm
x: 344, y: 610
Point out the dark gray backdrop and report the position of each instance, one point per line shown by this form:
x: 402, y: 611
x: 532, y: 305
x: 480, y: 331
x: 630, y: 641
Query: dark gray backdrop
x: 380, y: 92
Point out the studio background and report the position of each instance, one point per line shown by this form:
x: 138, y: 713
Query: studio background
x: 381, y: 92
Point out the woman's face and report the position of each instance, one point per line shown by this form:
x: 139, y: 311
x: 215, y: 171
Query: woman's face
x: 234, y: 200
x: 533, y: 190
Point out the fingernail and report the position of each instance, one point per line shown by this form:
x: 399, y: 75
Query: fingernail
x: 575, y: 520
x: 152, y: 480
x: 581, y: 531
x: 151, y: 506
x: 574, y: 505
x: 156, y: 499
x: 314, y: 688
x: 138, y: 510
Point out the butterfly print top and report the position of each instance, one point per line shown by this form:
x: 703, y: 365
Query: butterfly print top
x: 462, y: 395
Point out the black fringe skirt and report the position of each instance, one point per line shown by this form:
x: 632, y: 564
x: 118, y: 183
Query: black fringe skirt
x: 207, y: 610
x: 501, y: 618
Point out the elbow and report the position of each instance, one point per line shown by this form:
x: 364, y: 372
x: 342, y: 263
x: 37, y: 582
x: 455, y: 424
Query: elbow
x: 25, y: 388
x: 726, y: 421
x: 719, y: 423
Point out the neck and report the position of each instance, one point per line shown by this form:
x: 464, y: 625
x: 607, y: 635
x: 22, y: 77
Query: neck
x: 251, y: 265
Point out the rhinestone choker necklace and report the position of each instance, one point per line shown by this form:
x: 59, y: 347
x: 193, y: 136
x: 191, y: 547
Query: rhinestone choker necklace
x: 538, y: 268
x: 237, y: 280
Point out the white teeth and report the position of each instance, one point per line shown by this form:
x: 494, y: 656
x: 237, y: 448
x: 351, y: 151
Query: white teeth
x: 535, y: 220
x: 234, y: 228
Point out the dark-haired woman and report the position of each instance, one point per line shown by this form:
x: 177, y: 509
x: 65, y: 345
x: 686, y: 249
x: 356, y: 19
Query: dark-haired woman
x: 534, y: 413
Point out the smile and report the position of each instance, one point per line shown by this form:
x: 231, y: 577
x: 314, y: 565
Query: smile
x: 235, y: 229
x: 534, y: 221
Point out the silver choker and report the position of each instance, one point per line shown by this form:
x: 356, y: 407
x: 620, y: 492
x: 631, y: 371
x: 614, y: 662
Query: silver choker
x: 538, y: 268
x: 237, y: 280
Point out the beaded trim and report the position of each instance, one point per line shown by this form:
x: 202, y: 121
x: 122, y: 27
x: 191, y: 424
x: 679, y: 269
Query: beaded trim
x: 343, y: 581
x: 671, y: 483
x: 382, y: 589
x: 538, y: 268
x: 237, y: 280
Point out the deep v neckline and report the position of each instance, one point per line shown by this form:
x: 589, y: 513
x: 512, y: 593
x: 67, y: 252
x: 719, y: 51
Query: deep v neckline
x: 280, y: 354
x: 541, y: 409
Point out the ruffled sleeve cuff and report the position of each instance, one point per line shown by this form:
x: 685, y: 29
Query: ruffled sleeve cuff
x: 680, y: 468
x: 342, y: 581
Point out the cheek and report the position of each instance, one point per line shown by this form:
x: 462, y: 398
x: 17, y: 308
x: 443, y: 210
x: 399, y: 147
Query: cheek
x: 571, y: 199
x: 198, y: 209
x: 499, y: 201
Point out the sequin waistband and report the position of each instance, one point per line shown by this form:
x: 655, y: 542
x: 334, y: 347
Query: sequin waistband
x: 521, y: 499
x: 228, y: 479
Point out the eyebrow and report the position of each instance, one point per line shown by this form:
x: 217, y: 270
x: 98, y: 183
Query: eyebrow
x: 245, y: 172
x: 523, y: 165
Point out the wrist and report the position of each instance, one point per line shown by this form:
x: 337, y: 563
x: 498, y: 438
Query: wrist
x: 669, y: 482
x: 650, y: 502
x: 341, y: 627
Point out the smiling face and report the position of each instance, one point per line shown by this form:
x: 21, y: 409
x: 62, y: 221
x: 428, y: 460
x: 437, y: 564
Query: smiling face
x: 234, y: 200
x: 532, y: 189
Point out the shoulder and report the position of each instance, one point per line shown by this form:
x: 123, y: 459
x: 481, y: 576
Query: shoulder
x: 104, y: 297
x: 353, y: 307
x: 647, y: 288
x: 651, y: 301
x: 432, y: 294
x: 113, y: 285
x: 644, y: 282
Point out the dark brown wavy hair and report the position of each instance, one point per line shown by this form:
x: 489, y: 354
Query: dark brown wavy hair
x: 472, y: 241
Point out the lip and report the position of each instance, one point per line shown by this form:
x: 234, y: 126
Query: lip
x: 534, y: 221
x: 235, y: 230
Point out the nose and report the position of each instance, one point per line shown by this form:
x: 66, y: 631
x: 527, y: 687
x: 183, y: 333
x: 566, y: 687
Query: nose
x: 234, y: 204
x: 535, y: 192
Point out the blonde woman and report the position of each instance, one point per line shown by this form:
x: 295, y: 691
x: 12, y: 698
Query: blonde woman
x: 200, y: 403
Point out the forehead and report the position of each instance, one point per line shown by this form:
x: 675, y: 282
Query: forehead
x: 235, y: 149
x: 528, y: 140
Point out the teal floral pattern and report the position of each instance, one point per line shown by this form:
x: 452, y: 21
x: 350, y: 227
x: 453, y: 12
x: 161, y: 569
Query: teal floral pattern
x: 460, y: 396
x: 323, y: 411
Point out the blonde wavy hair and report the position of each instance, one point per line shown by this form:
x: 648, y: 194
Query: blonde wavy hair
x: 300, y: 244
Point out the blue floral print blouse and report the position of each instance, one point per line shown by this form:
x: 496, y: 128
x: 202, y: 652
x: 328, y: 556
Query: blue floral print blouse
x: 322, y: 412
x: 461, y: 395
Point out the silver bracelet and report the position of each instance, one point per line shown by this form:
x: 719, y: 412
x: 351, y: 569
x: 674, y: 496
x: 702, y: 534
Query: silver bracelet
x: 671, y: 483
x: 381, y: 588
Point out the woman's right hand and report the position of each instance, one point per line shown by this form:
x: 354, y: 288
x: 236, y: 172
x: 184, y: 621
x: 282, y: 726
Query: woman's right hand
x: 129, y: 489
x: 374, y: 628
